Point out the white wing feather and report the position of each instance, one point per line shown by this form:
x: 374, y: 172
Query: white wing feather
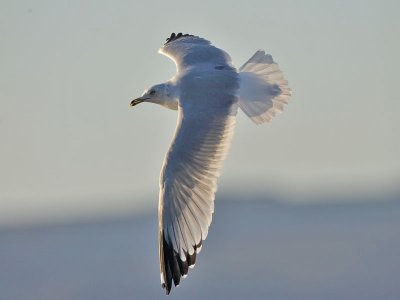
x: 188, y: 184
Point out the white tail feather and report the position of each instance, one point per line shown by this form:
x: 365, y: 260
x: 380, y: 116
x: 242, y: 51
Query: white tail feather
x: 263, y: 90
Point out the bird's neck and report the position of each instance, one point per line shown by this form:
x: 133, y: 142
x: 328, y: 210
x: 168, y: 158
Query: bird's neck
x: 170, y: 97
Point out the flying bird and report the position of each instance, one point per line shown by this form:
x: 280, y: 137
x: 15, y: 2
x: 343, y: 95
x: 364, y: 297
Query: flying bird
x: 207, y: 91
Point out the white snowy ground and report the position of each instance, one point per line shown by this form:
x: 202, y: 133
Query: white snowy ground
x: 255, y: 250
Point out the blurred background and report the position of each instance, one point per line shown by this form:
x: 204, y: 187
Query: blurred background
x: 308, y: 206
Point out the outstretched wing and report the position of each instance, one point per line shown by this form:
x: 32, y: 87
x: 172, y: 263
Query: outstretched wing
x: 188, y: 181
x: 187, y: 50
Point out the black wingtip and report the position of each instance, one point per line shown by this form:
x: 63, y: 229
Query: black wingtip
x: 167, y: 290
x: 173, y: 267
x: 174, y: 37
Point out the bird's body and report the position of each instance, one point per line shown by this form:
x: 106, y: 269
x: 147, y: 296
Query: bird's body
x: 207, y: 91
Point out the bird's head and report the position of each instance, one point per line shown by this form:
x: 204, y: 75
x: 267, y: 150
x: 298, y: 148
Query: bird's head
x: 158, y: 93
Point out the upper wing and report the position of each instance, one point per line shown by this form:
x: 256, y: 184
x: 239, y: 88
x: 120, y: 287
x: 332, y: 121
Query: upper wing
x: 187, y: 50
x: 188, y: 179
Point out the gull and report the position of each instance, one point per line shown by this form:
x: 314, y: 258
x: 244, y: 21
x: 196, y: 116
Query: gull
x: 207, y: 91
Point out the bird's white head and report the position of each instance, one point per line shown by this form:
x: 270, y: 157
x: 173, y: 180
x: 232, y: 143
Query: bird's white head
x: 162, y: 94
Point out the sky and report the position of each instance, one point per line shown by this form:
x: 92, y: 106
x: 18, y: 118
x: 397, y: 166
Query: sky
x: 71, y: 145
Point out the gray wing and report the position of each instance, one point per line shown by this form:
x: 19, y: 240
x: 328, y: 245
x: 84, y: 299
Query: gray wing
x: 189, y: 175
x: 187, y: 50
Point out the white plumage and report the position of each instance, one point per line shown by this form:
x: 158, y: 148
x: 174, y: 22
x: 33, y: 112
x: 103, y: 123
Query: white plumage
x: 207, y: 90
x: 263, y: 90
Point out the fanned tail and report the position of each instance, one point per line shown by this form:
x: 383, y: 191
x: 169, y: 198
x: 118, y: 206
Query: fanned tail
x: 263, y: 90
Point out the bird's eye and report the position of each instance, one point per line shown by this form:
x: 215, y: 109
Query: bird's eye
x: 152, y: 92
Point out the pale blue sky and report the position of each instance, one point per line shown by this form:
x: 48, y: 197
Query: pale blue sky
x: 70, y: 144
